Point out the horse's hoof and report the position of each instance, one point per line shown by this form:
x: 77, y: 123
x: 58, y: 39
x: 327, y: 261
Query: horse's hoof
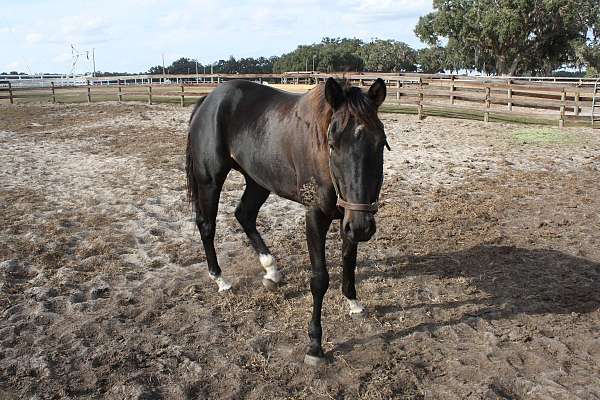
x: 355, y: 308
x: 225, y: 287
x: 222, y: 283
x: 359, y: 316
x: 314, y: 361
x: 269, y: 284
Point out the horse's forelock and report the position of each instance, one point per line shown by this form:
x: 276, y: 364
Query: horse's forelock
x: 361, y: 107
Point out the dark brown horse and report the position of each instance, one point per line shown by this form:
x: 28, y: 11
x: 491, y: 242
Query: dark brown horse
x: 323, y: 149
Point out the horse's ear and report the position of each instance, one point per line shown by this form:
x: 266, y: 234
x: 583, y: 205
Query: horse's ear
x: 334, y: 93
x: 377, y: 92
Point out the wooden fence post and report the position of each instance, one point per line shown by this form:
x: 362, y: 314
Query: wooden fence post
x: 120, y: 90
x: 577, y: 102
x: 563, y: 98
x: 53, y: 92
x: 420, y: 103
x: 89, y: 93
x: 398, y: 86
x: 509, y: 95
x: 182, y: 96
x: 452, y: 90
x: 486, y: 114
x: 150, y: 94
x: 10, y: 93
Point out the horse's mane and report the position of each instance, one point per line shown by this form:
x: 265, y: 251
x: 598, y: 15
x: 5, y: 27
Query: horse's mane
x: 357, y: 106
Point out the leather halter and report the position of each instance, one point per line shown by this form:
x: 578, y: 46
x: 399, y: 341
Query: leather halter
x: 366, y: 207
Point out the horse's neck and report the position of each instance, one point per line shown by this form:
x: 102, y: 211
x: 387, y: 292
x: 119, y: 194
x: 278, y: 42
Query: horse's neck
x: 311, y: 149
x: 316, y: 113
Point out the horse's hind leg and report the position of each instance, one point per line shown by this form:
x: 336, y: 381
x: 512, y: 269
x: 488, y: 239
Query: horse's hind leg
x: 246, y: 212
x: 207, y: 205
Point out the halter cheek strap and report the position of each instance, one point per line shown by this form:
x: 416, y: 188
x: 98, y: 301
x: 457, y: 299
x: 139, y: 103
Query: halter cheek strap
x: 366, y: 207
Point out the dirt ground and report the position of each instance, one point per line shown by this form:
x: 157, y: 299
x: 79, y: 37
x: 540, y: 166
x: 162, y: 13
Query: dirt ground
x: 482, y: 282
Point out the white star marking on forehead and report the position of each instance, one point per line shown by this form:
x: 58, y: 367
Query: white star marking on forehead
x: 358, y: 129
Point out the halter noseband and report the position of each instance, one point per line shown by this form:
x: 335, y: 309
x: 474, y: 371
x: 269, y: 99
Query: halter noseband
x: 372, y: 208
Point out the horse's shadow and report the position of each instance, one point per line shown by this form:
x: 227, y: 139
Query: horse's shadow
x: 511, y: 281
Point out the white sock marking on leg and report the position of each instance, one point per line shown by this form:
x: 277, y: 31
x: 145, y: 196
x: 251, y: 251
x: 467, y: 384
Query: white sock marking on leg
x: 355, y: 307
x: 268, y: 263
x: 223, y: 284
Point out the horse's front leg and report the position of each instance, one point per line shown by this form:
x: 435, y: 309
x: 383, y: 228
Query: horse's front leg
x: 349, y: 249
x: 317, y: 225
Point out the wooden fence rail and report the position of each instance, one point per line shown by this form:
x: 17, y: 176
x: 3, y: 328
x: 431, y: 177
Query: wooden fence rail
x: 453, y: 96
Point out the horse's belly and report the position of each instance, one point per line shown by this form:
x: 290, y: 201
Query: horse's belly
x: 271, y: 171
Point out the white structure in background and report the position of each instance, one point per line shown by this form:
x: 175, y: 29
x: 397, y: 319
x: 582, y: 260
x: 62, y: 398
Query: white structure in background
x: 44, y: 80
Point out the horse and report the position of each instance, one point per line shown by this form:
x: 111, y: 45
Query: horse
x: 323, y: 149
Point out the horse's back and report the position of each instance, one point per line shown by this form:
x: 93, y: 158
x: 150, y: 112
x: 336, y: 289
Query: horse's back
x: 237, y: 104
x: 247, y: 126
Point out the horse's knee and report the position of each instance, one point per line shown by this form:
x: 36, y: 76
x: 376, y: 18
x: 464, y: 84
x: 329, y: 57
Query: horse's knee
x: 319, y: 282
x: 206, y: 228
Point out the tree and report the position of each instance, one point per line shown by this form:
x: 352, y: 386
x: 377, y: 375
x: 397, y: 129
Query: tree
x: 230, y: 66
x: 331, y: 54
x: 389, y: 56
x: 508, y: 36
x: 300, y: 59
x: 432, y: 59
x: 183, y: 66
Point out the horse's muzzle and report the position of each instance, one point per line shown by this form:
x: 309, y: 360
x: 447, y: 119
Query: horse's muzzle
x: 358, y: 226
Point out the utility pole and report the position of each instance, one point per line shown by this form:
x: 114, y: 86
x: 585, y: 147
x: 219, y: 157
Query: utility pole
x: 197, y: 77
x: 163, y: 59
x: 94, y: 61
x: 314, y: 56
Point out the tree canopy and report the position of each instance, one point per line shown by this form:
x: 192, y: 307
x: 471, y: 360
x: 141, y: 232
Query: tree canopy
x: 389, y: 56
x: 342, y: 54
x: 513, y: 36
x: 230, y: 66
x: 331, y: 54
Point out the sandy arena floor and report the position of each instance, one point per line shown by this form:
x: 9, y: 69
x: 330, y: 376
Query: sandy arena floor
x: 483, y: 281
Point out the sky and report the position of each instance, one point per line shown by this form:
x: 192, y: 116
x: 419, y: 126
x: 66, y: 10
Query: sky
x: 132, y: 35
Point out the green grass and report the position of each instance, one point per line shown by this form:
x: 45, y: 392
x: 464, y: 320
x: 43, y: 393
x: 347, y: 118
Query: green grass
x: 541, y: 135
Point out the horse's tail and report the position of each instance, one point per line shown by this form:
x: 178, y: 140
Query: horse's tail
x: 192, y: 183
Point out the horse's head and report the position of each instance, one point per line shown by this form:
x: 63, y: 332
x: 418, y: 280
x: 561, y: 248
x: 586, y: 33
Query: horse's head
x: 356, y: 141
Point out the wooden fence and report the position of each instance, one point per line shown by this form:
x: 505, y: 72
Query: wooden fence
x: 559, y: 104
x: 90, y: 93
x: 562, y: 103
